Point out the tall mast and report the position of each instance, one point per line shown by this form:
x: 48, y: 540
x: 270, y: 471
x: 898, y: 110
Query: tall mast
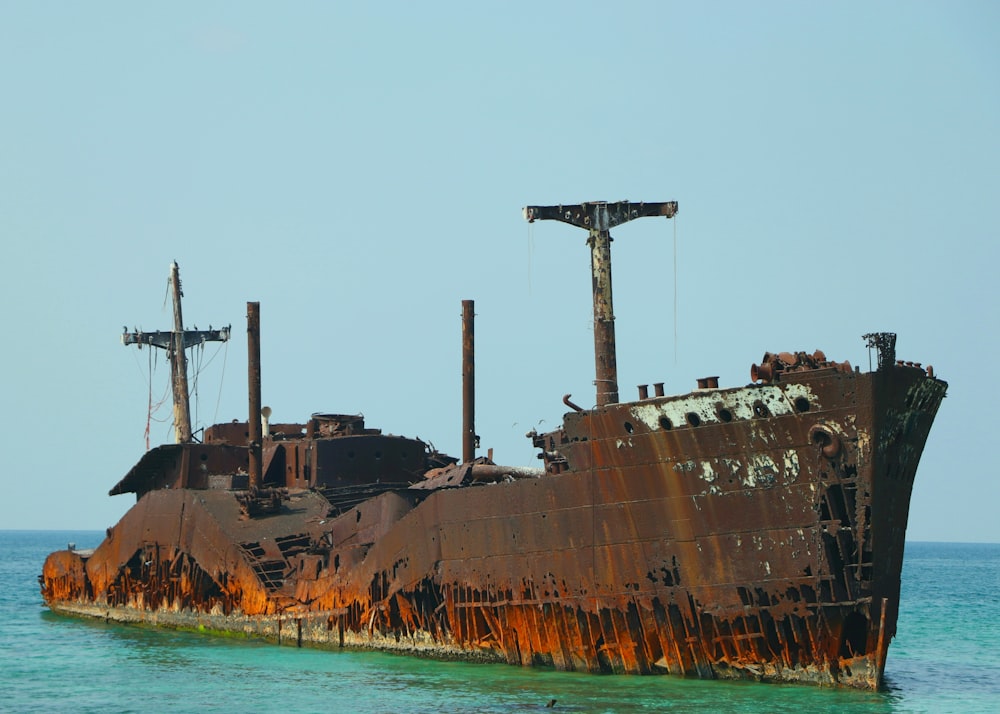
x: 598, y: 217
x: 176, y: 343
x: 178, y: 364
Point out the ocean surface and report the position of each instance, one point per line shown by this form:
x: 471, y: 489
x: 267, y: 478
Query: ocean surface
x: 946, y: 658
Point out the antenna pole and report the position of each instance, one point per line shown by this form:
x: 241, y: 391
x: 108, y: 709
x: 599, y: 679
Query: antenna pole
x: 176, y: 343
x: 598, y: 217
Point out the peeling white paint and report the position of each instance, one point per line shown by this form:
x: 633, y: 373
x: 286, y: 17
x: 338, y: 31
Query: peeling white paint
x: 791, y: 463
x: 707, y: 472
x: 758, y: 470
x: 864, y: 443
x: 764, y: 470
x: 779, y: 400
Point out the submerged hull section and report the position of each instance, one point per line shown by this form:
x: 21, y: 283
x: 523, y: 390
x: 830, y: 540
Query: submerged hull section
x: 754, y: 532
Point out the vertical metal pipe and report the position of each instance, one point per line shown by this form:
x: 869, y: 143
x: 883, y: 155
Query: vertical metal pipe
x: 882, y: 647
x: 178, y: 365
x: 255, y: 429
x: 604, y: 317
x: 468, y: 381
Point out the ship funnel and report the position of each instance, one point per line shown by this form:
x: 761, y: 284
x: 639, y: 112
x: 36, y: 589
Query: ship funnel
x: 265, y: 421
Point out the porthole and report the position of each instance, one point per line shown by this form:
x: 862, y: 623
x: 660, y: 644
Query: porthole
x: 628, y: 427
x: 801, y: 404
x: 760, y: 409
x: 693, y: 419
x: 666, y: 424
x: 725, y: 415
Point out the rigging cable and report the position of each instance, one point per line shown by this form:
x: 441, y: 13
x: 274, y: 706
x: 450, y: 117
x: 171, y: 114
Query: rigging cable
x: 225, y: 345
x: 675, y: 289
x: 531, y: 250
x: 199, y: 355
x: 201, y: 366
x: 149, y: 405
x: 153, y: 408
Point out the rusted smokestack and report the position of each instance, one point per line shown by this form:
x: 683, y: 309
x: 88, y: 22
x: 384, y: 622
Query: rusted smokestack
x: 658, y: 389
x: 468, y: 381
x: 253, y: 362
x: 643, y: 392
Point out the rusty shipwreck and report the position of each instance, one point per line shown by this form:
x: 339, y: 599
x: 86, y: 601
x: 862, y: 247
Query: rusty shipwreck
x: 751, y: 532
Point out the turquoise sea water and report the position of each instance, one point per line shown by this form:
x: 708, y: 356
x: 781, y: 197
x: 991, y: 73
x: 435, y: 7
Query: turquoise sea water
x: 946, y: 658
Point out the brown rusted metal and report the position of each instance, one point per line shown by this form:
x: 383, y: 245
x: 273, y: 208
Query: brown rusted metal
x: 605, y: 353
x: 468, y: 381
x: 752, y: 532
x: 255, y: 430
x: 773, y: 365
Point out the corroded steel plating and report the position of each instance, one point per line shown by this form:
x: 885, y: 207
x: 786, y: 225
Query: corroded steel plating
x: 750, y: 532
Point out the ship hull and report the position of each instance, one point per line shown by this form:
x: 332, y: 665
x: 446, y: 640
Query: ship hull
x: 750, y: 533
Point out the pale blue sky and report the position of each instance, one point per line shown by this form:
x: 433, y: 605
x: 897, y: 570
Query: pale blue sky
x: 360, y: 168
